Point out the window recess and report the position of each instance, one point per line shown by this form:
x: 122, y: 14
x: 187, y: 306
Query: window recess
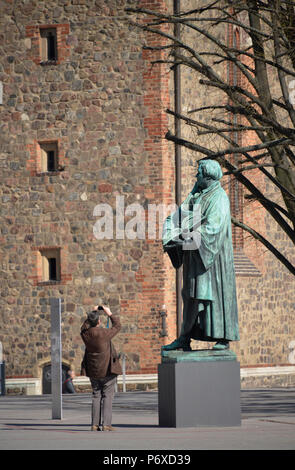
x: 48, y: 46
x: 51, y: 265
x: 49, y: 157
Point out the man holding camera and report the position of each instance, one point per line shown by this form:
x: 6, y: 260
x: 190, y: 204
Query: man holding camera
x: 101, y: 365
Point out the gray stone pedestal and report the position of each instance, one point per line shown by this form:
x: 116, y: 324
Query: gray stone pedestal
x: 199, y: 392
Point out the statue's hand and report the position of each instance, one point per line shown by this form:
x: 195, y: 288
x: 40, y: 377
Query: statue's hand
x: 176, y: 242
x: 172, y: 244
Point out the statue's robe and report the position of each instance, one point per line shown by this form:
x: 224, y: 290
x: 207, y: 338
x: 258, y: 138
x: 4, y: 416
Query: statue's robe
x: 208, y: 271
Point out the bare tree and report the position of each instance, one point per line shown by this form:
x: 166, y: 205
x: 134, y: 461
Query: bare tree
x: 248, y: 105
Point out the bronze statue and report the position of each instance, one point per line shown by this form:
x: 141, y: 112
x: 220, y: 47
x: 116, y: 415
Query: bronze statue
x: 203, y: 246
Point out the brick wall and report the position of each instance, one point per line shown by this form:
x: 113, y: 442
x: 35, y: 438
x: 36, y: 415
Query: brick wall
x: 102, y: 103
x: 33, y: 34
x: 154, y: 278
x: 34, y: 160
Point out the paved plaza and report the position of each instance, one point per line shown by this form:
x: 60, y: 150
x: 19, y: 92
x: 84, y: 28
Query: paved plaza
x: 268, y: 423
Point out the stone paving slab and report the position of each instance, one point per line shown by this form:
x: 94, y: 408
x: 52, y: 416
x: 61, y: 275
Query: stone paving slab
x: 268, y: 423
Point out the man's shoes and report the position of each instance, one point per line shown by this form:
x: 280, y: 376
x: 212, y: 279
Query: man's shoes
x: 95, y: 427
x: 179, y: 343
x: 108, y: 428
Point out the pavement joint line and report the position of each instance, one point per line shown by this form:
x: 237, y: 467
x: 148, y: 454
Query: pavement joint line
x: 276, y: 421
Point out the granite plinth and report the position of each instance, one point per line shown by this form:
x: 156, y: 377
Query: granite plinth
x: 198, y: 393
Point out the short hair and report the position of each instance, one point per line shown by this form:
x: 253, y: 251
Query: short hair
x: 211, y: 169
x: 93, y: 318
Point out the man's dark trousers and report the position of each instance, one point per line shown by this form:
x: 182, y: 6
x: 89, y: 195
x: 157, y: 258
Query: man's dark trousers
x: 102, y: 400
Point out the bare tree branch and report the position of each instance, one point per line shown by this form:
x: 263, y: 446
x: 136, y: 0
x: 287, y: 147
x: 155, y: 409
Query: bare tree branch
x: 266, y: 243
x: 241, y: 178
x: 267, y: 45
x: 193, y: 122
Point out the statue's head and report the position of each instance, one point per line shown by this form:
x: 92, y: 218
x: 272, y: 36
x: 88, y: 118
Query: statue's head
x: 209, y: 171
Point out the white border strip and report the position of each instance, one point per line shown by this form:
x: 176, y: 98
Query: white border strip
x: 267, y: 371
x: 33, y: 385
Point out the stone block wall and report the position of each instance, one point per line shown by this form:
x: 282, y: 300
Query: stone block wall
x: 102, y: 102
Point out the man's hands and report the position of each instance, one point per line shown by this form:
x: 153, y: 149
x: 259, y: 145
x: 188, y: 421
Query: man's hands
x: 105, y: 309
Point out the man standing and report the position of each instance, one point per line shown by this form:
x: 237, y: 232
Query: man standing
x: 101, y: 365
x: 203, y: 245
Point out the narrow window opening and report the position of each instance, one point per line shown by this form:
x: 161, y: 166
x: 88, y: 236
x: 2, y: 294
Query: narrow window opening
x: 48, y: 46
x: 50, y: 265
x: 52, y: 269
x: 49, y: 157
x: 51, y: 160
x: 51, y: 46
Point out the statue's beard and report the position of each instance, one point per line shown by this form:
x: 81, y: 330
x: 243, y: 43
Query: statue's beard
x: 204, y: 183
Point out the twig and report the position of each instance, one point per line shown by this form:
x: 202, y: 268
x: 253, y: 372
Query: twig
x: 266, y: 243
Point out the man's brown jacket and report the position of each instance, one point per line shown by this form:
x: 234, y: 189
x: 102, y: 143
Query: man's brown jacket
x: 100, y: 358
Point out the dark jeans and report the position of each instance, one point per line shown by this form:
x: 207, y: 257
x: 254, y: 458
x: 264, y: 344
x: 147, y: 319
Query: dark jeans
x: 102, y: 400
